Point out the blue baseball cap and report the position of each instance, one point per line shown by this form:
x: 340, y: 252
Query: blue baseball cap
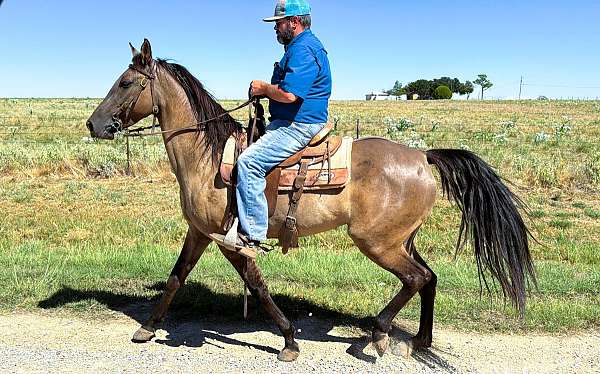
x: 289, y: 8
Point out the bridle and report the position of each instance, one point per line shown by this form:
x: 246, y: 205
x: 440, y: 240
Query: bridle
x: 127, y: 106
x: 122, y: 115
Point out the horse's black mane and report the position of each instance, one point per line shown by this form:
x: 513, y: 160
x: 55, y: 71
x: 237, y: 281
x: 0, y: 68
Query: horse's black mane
x: 205, y: 107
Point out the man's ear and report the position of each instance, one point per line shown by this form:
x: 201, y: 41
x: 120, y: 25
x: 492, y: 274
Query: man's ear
x: 146, y: 52
x: 134, y: 51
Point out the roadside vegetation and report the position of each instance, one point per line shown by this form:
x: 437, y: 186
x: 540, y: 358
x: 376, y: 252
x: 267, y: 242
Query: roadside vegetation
x: 79, y: 235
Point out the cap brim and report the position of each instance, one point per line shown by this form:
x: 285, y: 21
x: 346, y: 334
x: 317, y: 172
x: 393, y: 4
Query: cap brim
x: 273, y: 19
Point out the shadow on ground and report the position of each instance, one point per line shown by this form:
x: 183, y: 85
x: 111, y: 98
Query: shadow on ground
x: 197, y: 313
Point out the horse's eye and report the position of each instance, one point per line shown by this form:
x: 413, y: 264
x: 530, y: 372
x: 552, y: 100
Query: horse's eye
x: 125, y: 84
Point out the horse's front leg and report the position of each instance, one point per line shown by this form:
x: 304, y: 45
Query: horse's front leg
x: 193, y: 247
x: 250, y: 273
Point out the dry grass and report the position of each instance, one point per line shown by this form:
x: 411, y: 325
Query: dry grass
x: 544, y: 144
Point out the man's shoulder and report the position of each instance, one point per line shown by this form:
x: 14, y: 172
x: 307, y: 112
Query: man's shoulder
x: 312, y: 41
x: 310, y: 44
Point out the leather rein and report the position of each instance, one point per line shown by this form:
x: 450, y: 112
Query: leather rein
x: 127, y: 106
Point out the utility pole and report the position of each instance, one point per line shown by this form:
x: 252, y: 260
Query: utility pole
x: 520, y: 88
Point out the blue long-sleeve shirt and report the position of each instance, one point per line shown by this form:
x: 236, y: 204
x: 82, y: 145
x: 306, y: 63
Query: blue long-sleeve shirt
x: 303, y: 71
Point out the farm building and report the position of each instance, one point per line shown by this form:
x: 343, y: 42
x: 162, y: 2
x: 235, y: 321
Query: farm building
x: 382, y: 96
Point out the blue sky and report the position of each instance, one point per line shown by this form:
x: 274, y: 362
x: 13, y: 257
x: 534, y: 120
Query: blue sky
x: 78, y: 48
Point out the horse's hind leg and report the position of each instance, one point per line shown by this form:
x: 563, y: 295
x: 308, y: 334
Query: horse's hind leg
x: 252, y: 276
x: 424, y: 337
x: 397, y: 260
x: 193, y: 247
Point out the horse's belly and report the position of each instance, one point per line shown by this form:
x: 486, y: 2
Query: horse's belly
x: 317, y: 212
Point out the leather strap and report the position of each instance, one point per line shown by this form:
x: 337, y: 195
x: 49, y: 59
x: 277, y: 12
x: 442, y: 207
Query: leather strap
x: 253, y: 119
x: 288, y: 235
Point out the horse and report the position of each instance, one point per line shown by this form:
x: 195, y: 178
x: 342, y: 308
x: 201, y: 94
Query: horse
x: 391, y: 193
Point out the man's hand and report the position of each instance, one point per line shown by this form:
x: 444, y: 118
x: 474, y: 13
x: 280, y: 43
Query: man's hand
x: 260, y: 88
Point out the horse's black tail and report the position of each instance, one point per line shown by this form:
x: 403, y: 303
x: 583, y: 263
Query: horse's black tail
x: 490, y: 219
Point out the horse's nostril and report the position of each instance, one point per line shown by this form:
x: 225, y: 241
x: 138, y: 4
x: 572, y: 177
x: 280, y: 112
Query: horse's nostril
x: 90, y: 126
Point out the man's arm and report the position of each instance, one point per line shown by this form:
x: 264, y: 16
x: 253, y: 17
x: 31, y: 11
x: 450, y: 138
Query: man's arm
x: 272, y: 91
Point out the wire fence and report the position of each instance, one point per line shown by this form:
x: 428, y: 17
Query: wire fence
x: 545, y: 142
x: 360, y: 126
x: 44, y: 130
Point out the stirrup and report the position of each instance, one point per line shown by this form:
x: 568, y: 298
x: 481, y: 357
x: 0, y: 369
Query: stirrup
x: 245, y: 251
x: 230, y: 242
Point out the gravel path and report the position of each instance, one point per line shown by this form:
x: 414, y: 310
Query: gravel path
x: 49, y: 343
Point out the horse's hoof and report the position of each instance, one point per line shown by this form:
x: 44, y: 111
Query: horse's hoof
x: 288, y: 355
x: 143, y: 335
x: 417, y: 343
x: 381, y: 342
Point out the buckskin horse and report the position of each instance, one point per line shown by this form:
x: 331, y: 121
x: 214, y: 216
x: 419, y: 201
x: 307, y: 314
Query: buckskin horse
x: 390, y: 195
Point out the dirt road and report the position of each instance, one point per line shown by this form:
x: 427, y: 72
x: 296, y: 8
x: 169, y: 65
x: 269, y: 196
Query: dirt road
x: 50, y: 343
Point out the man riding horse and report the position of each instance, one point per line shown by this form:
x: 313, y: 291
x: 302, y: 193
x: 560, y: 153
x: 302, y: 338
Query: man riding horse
x: 298, y: 103
x: 383, y: 206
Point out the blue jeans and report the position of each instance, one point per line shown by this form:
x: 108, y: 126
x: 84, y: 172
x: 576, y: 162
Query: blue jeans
x: 281, y: 140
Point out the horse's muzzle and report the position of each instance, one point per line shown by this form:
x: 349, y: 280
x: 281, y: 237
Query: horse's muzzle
x: 115, y: 126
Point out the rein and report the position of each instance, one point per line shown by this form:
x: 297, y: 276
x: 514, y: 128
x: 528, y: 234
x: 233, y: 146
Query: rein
x: 138, y: 132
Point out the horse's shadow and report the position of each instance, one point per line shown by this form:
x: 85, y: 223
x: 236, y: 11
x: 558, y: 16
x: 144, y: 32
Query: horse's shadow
x: 194, y: 299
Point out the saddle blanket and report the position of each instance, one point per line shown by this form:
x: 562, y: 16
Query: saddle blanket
x: 329, y: 174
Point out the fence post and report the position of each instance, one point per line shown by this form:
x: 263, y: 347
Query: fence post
x: 357, y: 128
x: 128, y: 171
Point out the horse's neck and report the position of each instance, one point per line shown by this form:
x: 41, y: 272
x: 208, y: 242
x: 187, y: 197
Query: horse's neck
x: 189, y: 161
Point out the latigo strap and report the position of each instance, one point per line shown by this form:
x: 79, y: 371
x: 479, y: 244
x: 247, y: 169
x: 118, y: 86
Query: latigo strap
x: 288, y: 235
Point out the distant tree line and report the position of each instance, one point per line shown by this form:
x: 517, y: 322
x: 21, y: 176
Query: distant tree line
x: 441, y: 88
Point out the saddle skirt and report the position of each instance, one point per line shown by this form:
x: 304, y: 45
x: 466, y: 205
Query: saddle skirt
x: 330, y: 168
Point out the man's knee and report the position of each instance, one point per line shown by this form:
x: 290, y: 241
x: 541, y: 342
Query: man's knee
x: 243, y: 161
x: 249, y: 164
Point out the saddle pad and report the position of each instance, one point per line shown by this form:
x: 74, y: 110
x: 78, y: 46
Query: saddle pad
x: 331, y: 174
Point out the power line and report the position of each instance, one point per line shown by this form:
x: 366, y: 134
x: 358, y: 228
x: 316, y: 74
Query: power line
x: 559, y: 86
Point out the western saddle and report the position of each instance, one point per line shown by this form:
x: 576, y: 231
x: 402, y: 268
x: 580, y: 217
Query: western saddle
x: 319, y: 151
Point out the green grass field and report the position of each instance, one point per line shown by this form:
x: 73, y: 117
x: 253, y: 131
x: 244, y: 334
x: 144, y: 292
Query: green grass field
x: 77, y: 235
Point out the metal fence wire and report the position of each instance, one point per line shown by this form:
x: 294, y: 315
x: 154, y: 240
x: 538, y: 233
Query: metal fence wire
x: 43, y: 130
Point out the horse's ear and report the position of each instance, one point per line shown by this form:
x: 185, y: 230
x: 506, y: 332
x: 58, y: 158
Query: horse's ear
x: 134, y: 51
x: 146, y: 52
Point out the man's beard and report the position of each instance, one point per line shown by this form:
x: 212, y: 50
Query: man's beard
x: 286, y: 36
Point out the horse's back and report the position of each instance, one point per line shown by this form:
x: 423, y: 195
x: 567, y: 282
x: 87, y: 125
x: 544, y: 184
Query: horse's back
x: 379, y: 160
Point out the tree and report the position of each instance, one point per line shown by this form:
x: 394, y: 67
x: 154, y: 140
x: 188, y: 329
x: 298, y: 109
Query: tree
x: 456, y: 84
x: 443, y: 93
x: 398, y: 90
x: 484, y: 82
x: 421, y: 87
x: 452, y: 84
x: 426, y: 88
x: 466, y: 89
